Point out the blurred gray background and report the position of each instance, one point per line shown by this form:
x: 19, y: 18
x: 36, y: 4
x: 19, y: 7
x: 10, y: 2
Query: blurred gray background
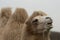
x: 51, y: 7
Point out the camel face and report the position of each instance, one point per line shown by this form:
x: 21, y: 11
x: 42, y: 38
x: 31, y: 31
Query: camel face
x: 41, y: 24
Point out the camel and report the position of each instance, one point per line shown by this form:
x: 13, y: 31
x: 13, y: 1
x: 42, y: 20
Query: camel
x: 37, y: 27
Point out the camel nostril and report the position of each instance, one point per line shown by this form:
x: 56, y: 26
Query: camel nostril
x: 48, y: 18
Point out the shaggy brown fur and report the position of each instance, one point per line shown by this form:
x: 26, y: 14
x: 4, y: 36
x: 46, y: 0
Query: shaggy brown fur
x: 27, y: 30
x: 4, y: 17
x: 12, y: 29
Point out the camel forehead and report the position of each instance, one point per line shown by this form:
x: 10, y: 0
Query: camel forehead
x: 40, y: 17
x: 37, y: 17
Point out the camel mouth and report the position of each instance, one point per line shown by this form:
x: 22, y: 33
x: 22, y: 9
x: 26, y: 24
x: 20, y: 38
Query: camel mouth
x: 49, y: 23
x: 44, y: 30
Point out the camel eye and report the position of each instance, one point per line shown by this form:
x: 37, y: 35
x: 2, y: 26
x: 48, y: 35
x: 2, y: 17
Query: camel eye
x: 35, y: 21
